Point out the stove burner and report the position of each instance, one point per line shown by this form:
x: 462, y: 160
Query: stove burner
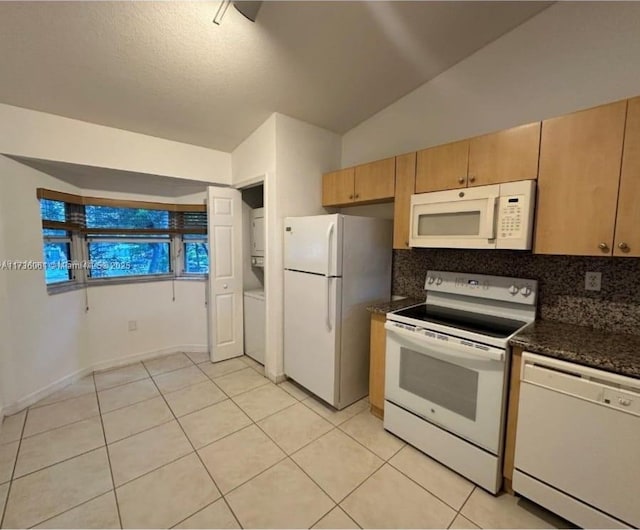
x: 474, y: 322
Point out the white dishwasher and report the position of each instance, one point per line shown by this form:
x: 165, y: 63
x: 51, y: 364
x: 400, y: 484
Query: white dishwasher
x: 578, y: 442
x: 254, y: 328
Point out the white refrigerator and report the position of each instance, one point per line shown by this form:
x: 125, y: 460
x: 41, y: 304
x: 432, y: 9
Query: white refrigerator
x: 335, y: 265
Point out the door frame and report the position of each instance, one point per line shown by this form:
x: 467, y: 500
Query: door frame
x: 274, y: 305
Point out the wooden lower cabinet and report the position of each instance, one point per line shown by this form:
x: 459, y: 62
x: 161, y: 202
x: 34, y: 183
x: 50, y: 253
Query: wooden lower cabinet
x: 377, y: 353
x: 512, y: 419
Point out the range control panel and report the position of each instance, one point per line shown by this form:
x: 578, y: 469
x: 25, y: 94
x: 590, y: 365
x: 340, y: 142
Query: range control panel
x: 503, y: 288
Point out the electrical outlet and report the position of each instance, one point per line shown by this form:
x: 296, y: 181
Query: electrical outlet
x: 593, y: 281
x: 133, y: 325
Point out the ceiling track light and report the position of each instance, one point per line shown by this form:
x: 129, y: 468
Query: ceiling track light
x: 248, y: 9
x: 222, y: 9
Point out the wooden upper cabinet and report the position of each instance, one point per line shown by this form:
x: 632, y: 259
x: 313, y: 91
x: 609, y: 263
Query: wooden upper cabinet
x: 338, y: 187
x: 580, y: 159
x: 375, y: 181
x: 627, y: 240
x: 505, y: 156
x: 443, y: 167
x: 405, y: 187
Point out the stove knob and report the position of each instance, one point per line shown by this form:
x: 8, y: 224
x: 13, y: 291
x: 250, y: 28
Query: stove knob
x: 526, y: 291
x: 430, y: 280
x: 438, y: 281
x: 513, y: 290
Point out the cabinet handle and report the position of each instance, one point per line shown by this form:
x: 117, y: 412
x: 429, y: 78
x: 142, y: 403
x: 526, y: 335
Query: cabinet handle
x: 472, y: 179
x: 357, y: 195
x: 406, y: 243
x: 603, y: 246
x: 624, y: 247
x: 351, y: 196
x: 461, y: 180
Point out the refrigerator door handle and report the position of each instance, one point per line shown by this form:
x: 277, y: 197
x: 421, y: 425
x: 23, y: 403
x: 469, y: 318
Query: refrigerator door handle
x: 329, y: 234
x: 329, y: 303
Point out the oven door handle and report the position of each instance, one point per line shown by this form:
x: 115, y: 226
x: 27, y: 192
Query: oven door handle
x: 453, y: 349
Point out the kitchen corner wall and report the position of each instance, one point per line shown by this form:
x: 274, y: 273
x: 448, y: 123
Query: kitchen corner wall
x: 562, y: 295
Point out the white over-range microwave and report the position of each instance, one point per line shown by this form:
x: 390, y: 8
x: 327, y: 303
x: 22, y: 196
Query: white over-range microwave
x: 496, y: 216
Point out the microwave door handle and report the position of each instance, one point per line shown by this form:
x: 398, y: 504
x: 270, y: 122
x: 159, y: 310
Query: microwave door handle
x: 453, y: 349
x: 490, y: 228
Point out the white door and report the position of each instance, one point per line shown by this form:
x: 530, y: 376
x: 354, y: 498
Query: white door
x: 312, y: 244
x: 224, y: 213
x: 311, y: 332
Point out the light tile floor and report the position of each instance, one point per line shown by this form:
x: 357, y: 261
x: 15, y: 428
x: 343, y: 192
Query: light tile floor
x: 180, y: 442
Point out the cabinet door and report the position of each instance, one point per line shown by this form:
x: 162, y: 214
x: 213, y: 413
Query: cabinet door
x: 580, y: 158
x: 338, y: 187
x: 405, y: 187
x: 443, y: 167
x: 375, y: 181
x: 505, y: 156
x: 377, y: 363
x: 627, y: 240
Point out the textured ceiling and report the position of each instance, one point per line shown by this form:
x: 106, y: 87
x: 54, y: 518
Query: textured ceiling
x: 164, y: 69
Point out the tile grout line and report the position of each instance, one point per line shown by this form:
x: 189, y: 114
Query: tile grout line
x: 104, y: 434
x: 60, y: 427
x: 358, y: 441
x: 15, y: 464
x: 130, y: 404
x: 83, y: 453
x: 457, y: 510
x: 464, y: 504
x: 288, y: 456
x: 76, y: 506
x: 39, y: 406
x: 199, y: 459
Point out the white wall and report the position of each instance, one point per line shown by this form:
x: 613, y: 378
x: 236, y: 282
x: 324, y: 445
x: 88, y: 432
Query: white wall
x: 4, y: 319
x: 44, y: 335
x: 291, y: 156
x: 49, y: 338
x: 573, y: 55
x: 303, y: 153
x: 256, y: 155
x: 164, y: 325
x: 36, y: 134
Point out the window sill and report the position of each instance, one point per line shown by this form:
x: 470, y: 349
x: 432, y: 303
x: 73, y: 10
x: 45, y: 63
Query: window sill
x: 75, y: 286
x: 65, y: 287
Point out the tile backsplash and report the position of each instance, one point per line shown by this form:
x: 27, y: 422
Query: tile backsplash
x: 562, y: 295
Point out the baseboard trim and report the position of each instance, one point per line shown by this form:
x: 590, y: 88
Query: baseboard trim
x: 117, y: 362
x: 34, y: 397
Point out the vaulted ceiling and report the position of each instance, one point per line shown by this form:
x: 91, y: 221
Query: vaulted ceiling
x: 164, y: 69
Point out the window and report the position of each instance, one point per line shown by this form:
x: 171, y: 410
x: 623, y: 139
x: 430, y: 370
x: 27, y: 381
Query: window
x: 89, y: 239
x: 195, y: 250
x: 196, y: 254
x: 57, y: 242
x: 57, y: 255
x: 127, y: 241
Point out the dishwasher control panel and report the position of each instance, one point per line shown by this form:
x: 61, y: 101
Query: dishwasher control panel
x: 612, y: 390
x: 622, y: 400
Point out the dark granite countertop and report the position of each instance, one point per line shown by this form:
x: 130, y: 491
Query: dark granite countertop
x: 613, y: 352
x: 391, y: 305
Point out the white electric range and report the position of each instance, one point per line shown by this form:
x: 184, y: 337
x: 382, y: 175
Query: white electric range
x: 447, y: 365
